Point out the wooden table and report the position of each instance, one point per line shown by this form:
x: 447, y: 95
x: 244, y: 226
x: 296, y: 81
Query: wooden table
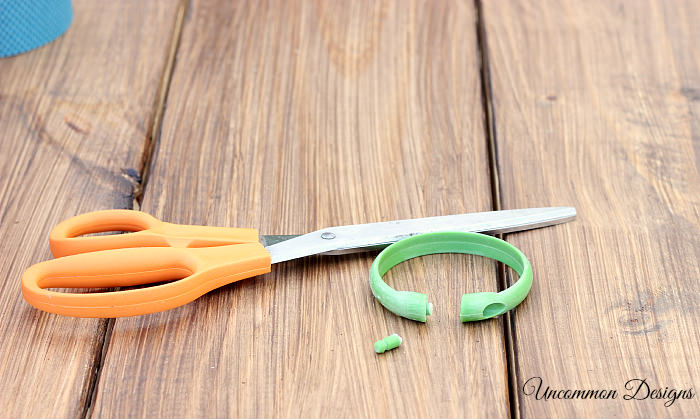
x: 293, y: 116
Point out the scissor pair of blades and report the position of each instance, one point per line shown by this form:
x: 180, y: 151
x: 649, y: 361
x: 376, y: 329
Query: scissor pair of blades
x: 362, y: 237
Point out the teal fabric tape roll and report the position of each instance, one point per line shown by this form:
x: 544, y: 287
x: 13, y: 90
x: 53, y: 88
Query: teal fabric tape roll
x: 29, y: 24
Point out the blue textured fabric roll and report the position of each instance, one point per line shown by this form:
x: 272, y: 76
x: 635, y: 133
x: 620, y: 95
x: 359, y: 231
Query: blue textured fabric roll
x: 29, y: 24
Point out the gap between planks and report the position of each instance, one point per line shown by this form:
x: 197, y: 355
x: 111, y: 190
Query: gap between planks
x: 159, y: 106
x: 504, y: 279
x: 139, y: 186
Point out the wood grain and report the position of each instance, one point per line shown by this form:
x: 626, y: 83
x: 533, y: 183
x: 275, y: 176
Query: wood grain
x: 596, y: 105
x: 292, y: 116
x: 74, y: 115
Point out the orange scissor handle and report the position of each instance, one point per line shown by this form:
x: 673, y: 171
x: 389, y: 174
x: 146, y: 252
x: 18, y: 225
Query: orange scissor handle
x: 147, y: 231
x: 193, y: 272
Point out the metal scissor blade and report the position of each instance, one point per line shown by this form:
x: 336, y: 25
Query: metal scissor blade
x: 361, y: 237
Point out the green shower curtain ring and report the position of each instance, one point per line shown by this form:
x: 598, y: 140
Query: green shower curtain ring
x: 476, y: 306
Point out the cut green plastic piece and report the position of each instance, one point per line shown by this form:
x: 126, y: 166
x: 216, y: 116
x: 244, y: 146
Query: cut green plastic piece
x: 387, y: 344
x: 477, y: 306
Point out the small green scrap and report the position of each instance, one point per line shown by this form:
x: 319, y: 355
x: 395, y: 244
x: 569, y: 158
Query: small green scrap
x: 388, y: 343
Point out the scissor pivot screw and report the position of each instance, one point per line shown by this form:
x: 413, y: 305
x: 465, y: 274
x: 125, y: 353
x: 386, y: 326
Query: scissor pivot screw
x: 328, y: 235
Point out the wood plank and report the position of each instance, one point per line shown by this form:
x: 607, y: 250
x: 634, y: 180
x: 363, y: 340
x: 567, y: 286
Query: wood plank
x: 596, y: 105
x: 75, y: 115
x: 292, y: 116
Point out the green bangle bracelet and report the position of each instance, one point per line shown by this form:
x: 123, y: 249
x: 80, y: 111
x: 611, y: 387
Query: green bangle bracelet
x: 476, y: 306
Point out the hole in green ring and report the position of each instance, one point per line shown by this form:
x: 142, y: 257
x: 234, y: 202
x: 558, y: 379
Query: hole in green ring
x: 494, y: 309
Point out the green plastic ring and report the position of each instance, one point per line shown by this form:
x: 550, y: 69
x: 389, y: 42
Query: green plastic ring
x: 476, y: 306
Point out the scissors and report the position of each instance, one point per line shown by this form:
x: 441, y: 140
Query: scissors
x: 180, y: 263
